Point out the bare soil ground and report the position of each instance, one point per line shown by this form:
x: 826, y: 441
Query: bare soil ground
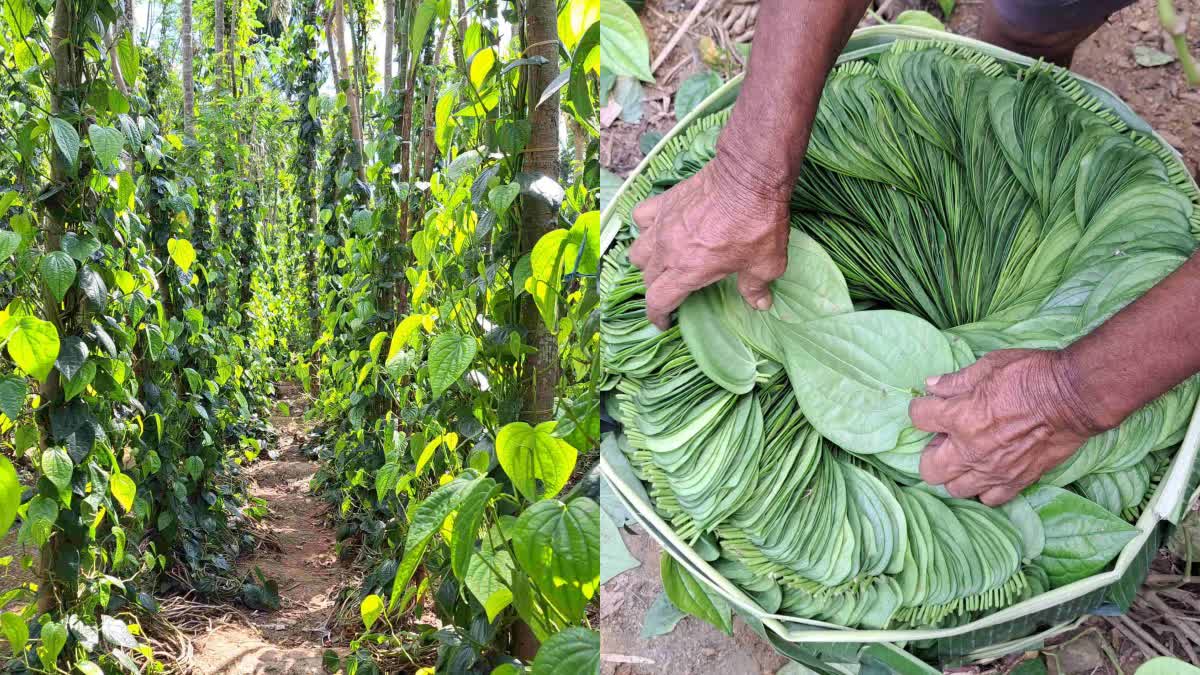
x: 292, y: 639
x: 1160, y: 95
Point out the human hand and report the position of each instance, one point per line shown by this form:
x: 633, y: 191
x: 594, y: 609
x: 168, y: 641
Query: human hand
x: 1001, y: 423
x: 711, y: 225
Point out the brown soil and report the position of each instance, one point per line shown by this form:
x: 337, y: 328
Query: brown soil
x: 1160, y: 95
x: 292, y: 639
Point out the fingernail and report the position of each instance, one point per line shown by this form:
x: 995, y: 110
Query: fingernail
x: 763, y: 303
x: 932, y: 381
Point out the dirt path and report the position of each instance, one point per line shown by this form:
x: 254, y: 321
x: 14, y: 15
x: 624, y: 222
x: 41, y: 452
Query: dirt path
x: 292, y: 639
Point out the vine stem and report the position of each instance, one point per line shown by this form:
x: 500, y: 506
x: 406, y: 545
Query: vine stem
x: 1175, y: 26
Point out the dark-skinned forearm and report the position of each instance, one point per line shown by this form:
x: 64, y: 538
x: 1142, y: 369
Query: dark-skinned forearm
x: 1141, y: 352
x: 796, y: 43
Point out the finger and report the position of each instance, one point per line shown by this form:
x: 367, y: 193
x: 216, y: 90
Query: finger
x: 666, y: 294
x: 642, y: 251
x: 645, y: 214
x: 930, y: 413
x: 959, y: 382
x: 998, y: 496
x: 968, y: 485
x: 941, y: 462
x: 755, y: 284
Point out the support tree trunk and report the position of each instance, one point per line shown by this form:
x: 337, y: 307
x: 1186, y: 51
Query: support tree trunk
x: 389, y: 37
x: 537, y: 218
x: 189, y: 83
x: 356, y: 133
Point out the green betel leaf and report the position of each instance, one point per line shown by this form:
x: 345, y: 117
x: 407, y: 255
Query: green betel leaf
x: 624, y: 49
x: 33, y: 344
x: 67, y: 140
x: 502, y: 196
x: 13, y: 391
x: 19, y: 16
x: 614, y: 555
x: 79, y: 248
x: 181, y: 252
x: 9, y: 243
x: 1166, y: 665
x: 54, y: 637
x: 690, y: 596
x: 58, y: 271
x: 10, y: 494
x: 450, y: 355
x: 558, y: 546
x: 40, y: 517
x: 693, y: 90
x: 545, y: 274
x: 72, y: 354
x: 422, y: 19
x: 574, y: 651
x: 58, y: 467
x: 123, y: 489
x: 130, y: 59
x: 371, y: 608
x: 490, y: 590
x: 855, y: 374
x: 16, y: 631
x: 194, y: 466
x: 106, y: 145
x: 467, y: 521
x: 427, y: 518
x: 1081, y: 536
x: 538, y: 463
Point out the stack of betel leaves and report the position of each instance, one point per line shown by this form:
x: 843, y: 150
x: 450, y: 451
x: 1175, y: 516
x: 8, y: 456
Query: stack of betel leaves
x: 949, y: 206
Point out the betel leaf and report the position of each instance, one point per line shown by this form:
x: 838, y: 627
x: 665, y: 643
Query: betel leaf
x: 10, y: 494
x: 450, y: 354
x: 182, y: 252
x: 123, y: 489
x: 545, y: 274
x: 426, y: 520
x: 661, y: 618
x: 9, y: 243
x: 79, y: 248
x: 686, y: 593
x: 54, y: 637
x: 558, y: 546
x: 13, y: 391
x: 33, y: 344
x: 1166, y: 665
x: 107, y: 144
x: 371, y: 608
x: 58, y: 467
x: 130, y: 58
x: 194, y: 466
x: 67, y: 140
x: 490, y: 590
x: 467, y: 520
x: 58, y: 271
x: 624, y: 49
x: 614, y: 555
x: 855, y: 374
x: 538, y: 463
x: 693, y: 90
x: 40, y: 516
x: 1081, y: 536
x: 422, y: 19
x: 16, y: 631
x: 72, y: 354
x: 574, y: 651
x: 116, y: 633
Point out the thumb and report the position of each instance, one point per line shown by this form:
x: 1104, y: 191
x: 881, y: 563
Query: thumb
x: 755, y: 284
x: 755, y: 289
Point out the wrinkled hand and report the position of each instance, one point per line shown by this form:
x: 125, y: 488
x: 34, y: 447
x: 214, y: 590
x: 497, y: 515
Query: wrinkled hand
x: 707, y: 227
x: 1001, y: 423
